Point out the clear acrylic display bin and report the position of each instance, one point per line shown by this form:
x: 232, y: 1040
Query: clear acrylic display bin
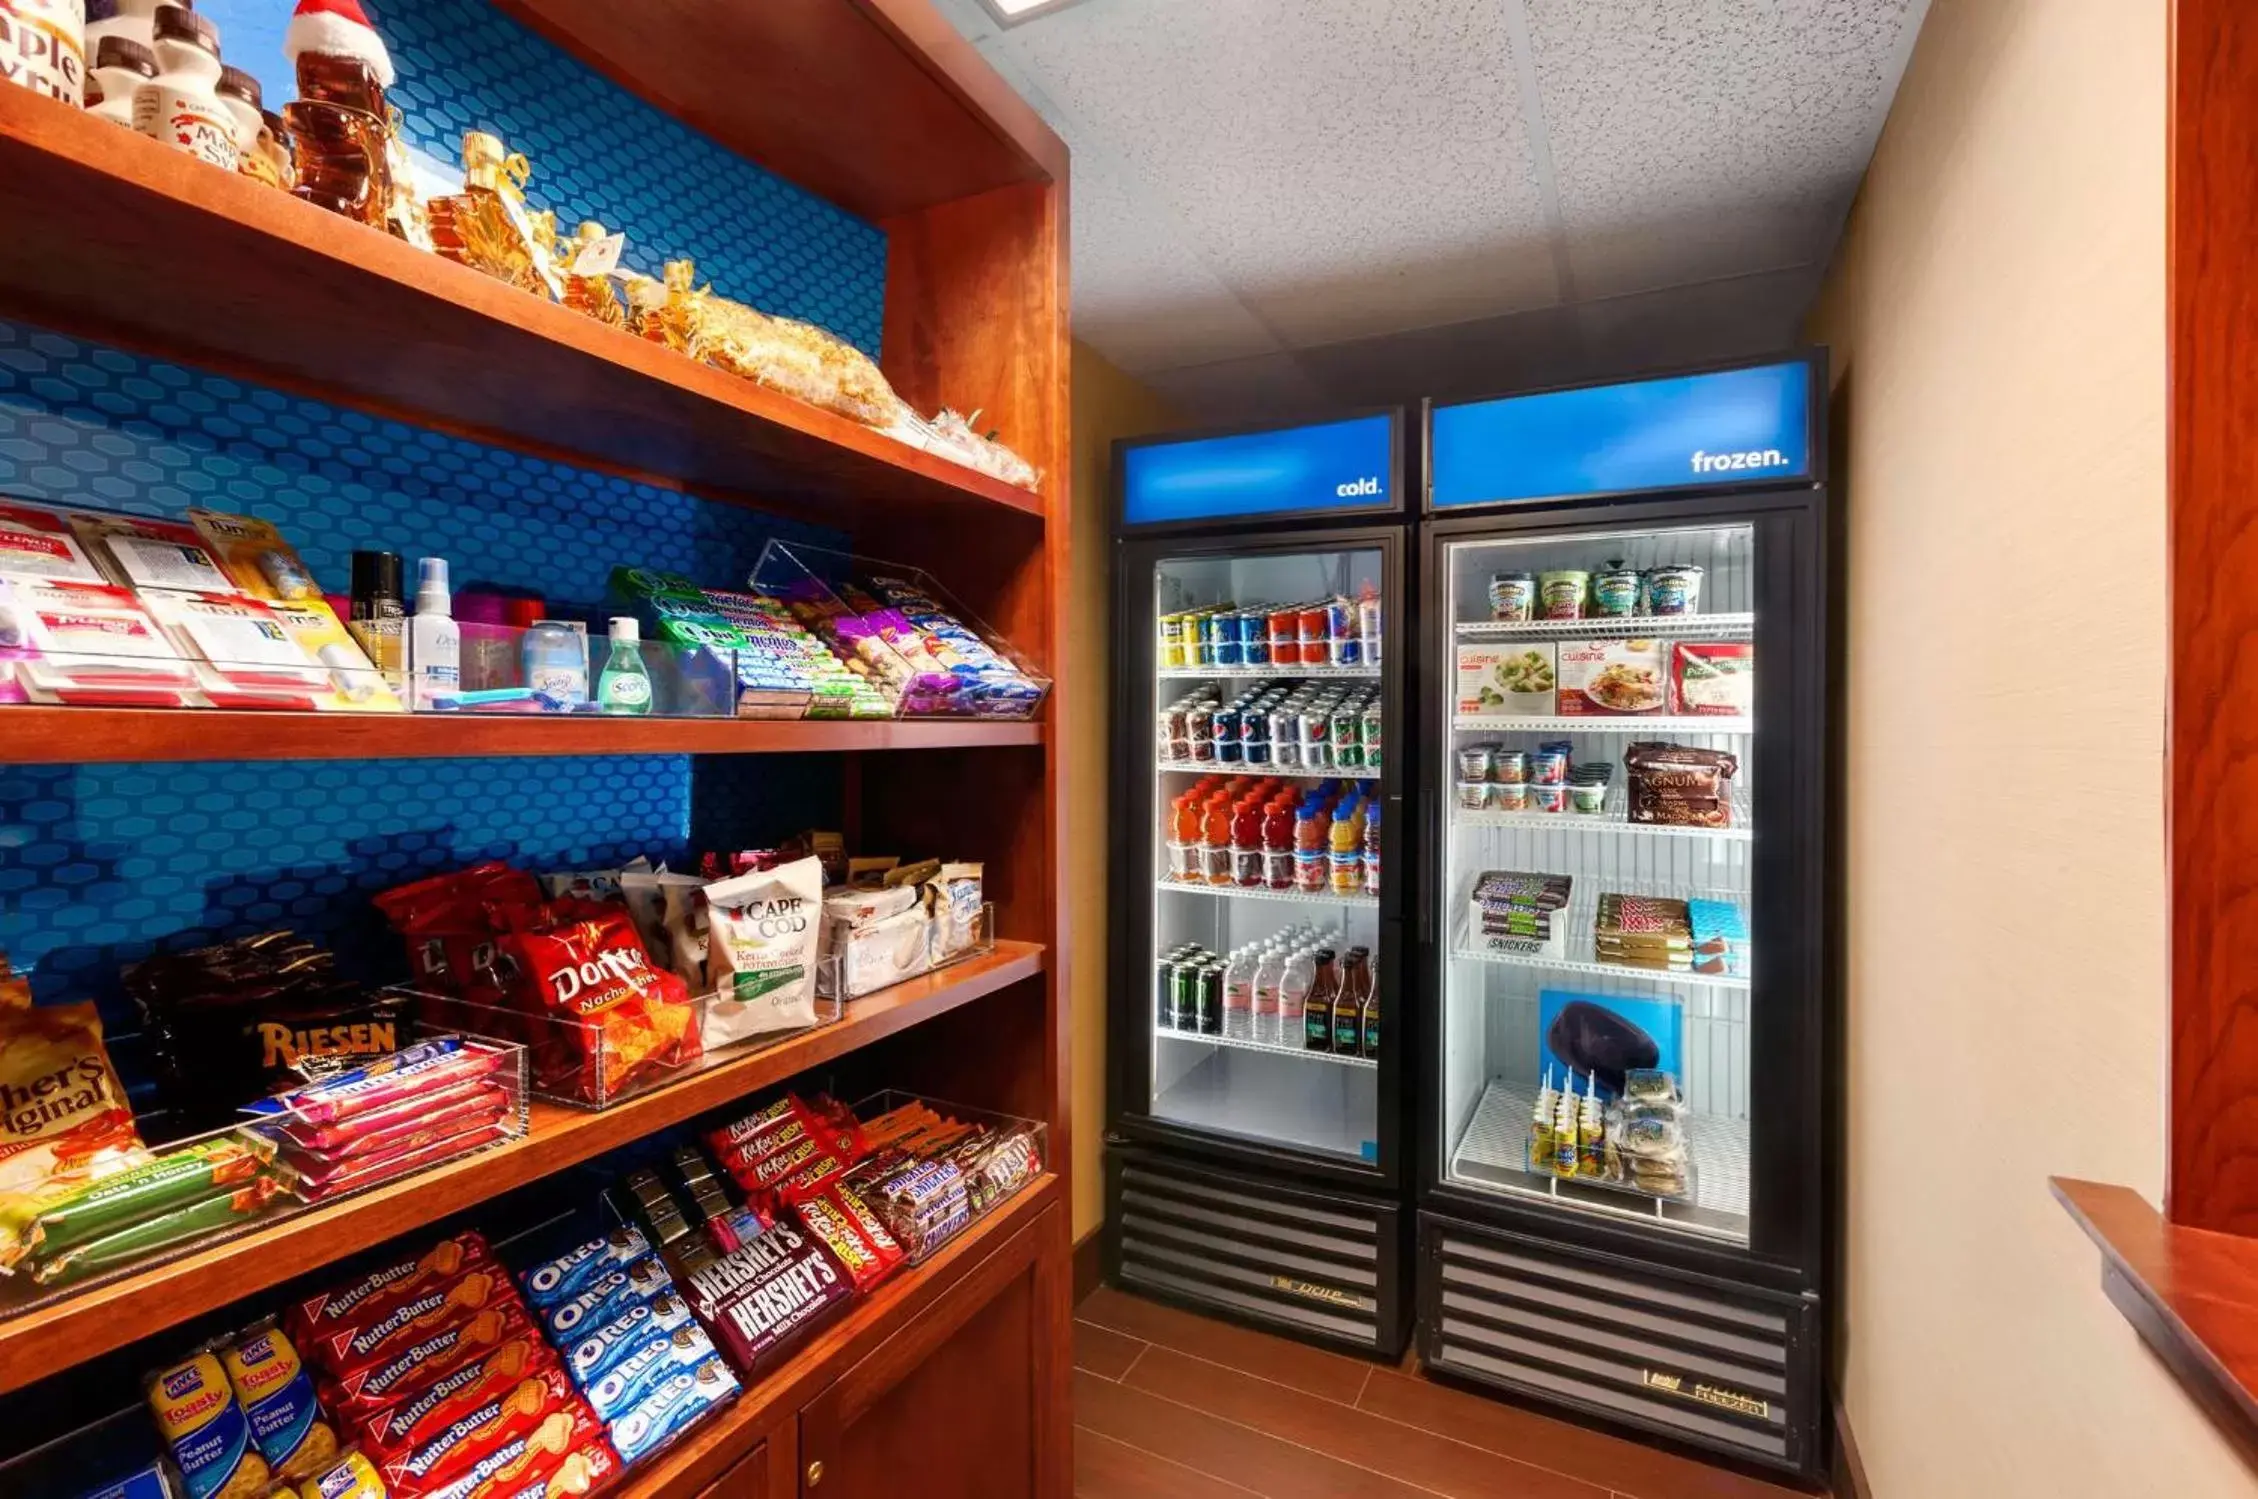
x: 270, y: 1169
x: 931, y: 656
x: 585, y: 1065
x: 877, y: 960
x: 683, y: 681
x: 919, y: 1248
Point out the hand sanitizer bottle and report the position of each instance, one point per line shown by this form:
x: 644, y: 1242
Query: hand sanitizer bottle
x: 435, y: 641
x: 624, y: 686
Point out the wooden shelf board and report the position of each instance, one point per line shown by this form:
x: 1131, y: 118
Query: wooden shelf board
x: 109, y: 1316
x: 47, y: 736
x: 2191, y: 1294
x: 119, y: 237
x: 933, y: 122
x: 686, y: 1470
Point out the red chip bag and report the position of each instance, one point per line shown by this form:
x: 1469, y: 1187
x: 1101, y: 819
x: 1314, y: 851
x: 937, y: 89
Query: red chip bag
x: 628, y: 1015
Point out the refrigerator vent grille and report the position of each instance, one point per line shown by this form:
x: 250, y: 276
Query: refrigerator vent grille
x: 1315, y: 1267
x: 1725, y: 1368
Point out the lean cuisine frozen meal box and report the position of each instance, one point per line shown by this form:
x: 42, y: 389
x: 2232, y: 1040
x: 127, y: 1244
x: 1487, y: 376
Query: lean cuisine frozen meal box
x: 1505, y: 678
x: 1611, y: 678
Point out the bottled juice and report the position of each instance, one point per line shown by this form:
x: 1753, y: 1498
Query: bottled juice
x: 1346, y: 837
x: 1185, y: 861
x: 1317, y: 1010
x: 1246, y: 843
x: 1372, y: 849
x: 1215, y: 839
x: 1278, y: 843
x: 1349, y: 1004
x: 1312, y: 831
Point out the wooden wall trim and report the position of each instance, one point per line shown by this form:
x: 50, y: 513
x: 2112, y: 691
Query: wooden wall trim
x: 2212, y: 760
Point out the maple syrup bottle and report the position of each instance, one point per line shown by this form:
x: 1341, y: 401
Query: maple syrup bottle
x: 340, y: 128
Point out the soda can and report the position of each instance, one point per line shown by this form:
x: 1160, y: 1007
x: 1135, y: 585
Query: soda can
x: 1374, y: 717
x: 1311, y: 728
x: 1172, y: 642
x: 1199, y: 646
x: 1254, y: 637
x: 1224, y: 644
x: 1316, y: 631
x: 1199, y: 731
x: 1346, y: 649
x: 1284, y: 628
x: 1285, y: 737
x: 1254, y: 737
x: 1168, y: 741
x: 1368, y: 626
x: 1224, y: 726
x: 1348, y: 738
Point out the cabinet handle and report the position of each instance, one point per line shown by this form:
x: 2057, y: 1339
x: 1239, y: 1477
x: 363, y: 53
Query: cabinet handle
x: 815, y: 1472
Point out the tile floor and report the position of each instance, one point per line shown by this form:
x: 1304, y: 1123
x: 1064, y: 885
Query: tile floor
x: 1168, y: 1405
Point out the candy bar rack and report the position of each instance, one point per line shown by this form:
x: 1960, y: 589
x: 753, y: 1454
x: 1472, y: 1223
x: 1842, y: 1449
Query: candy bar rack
x: 894, y: 1098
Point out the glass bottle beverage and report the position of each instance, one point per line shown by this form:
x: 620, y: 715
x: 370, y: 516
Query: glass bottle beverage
x: 1296, y: 977
x: 1246, y: 843
x: 1317, y: 1011
x: 1215, y: 839
x: 1363, y: 1036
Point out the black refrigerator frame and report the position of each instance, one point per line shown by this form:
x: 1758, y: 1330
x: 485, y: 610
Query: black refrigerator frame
x: 1787, y: 1268
x: 1302, y: 1197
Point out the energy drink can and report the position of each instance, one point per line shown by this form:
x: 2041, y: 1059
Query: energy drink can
x: 1184, y: 989
x: 1345, y: 647
x: 1164, y: 993
x: 1208, y: 1001
x: 1368, y: 627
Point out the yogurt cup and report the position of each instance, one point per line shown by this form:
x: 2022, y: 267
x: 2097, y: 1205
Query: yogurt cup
x: 1509, y: 796
x: 1548, y: 797
x: 1473, y: 795
x: 1548, y: 768
x: 1474, y: 763
x: 1587, y: 796
x: 1510, y: 767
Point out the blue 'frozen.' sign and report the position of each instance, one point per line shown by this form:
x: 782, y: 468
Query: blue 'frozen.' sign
x: 1333, y: 466
x: 1728, y: 427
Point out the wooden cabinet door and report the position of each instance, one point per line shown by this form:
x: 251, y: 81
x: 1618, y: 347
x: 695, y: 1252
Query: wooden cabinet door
x: 968, y: 1400
x: 763, y: 1473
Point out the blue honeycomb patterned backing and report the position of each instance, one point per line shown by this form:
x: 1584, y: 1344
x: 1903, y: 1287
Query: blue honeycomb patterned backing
x: 599, y: 152
x: 100, y: 863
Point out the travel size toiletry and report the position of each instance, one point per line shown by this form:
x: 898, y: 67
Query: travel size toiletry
x: 624, y: 686
x: 435, y: 642
x: 556, y: 662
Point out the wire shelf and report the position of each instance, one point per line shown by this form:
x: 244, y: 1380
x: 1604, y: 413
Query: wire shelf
x: 1240, y: 892
x: 1512, y: 723
x: 1572, y: 948
x: 1286, y: 673
x: 1638, y: 627
x: 1493, y: 1153
x: 1240, y: 768
x: 1249, y: 1043
x: 1613, y: 818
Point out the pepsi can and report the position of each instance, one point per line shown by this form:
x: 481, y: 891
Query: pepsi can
x: 1228, y: 741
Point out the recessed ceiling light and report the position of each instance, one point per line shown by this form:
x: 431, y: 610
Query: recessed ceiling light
x: 1017, y: 12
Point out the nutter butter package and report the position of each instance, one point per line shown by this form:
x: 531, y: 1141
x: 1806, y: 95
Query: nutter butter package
x: 352, y: 1302
x: 374, y: 1385
x: 404, y: 1322
x: 419, y: 1417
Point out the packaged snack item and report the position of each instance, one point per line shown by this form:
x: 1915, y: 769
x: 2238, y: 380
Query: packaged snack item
x: 403, y: 1323
x: 499, y: 1418
x: 757, y: 1300
x: 393, y: 1132
x: 222, y: 1209
x: 1611, y: 678
x: 671, y: 1407
x: 140, y: 553
x: 629, y: 1017
x: 568, y: 1274
x: 352, y: 1302
x: 453, y: 945
x: 231, y: 1023
x: 164, y: 1184
x: 764, y: 932
x: 150, y: 1481
x: 682, y: 899
x: 419, y: 1417
x: 791, y: 1124
x: 1720, y: 938
x: 740, y: 1132
x: 197, y: 1414
x: 1678, y: 786
x: 419, y: 1071
x: 1505, y: 679
x: 277, y: 1395
x: 355, y: 1391
x: 603, y: 1349
x: 1643, y: 932
x: 564, y: 1455
x: 828, y: 1220
x: 352, y: 1476
x: 604, y: 1298
x: 36, y: 542
x: 92, y: 643
x: 1713, y: 677
x: 66, y: 1110
x: 661, y: 1354
x: 316, y: 1181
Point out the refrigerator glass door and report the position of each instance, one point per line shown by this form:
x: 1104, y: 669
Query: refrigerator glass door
x: 1263, y: 858
x: 1596, y: 841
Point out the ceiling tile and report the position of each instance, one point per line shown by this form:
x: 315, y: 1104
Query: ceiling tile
x: 1694, y: 139
x: 1345, y: 169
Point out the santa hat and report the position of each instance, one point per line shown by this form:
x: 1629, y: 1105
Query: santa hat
x: 337, y: 28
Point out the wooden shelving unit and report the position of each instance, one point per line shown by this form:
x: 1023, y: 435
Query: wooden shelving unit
x: 879, y: 107
x: 34, y: 736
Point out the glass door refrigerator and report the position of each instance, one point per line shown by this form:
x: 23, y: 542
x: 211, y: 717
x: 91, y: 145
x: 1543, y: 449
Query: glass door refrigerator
x: 1257, y: 1057
x: 1626, y: 1145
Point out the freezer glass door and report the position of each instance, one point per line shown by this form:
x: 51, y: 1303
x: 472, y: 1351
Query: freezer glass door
x: 1595, y: 935
x: 1263, y: 859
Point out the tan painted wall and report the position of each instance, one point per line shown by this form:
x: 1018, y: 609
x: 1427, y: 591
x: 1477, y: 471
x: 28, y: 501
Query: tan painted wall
x: 1107, y: 404
x: 1997, y: 315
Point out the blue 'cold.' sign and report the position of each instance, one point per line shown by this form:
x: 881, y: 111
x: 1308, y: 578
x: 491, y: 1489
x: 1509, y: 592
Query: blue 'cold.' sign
x: 1329, y: 468
x: 1689, y: 431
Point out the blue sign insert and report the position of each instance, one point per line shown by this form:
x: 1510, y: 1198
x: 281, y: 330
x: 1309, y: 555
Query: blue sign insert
x: 1333, y: 466
x: 1688, y: 431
